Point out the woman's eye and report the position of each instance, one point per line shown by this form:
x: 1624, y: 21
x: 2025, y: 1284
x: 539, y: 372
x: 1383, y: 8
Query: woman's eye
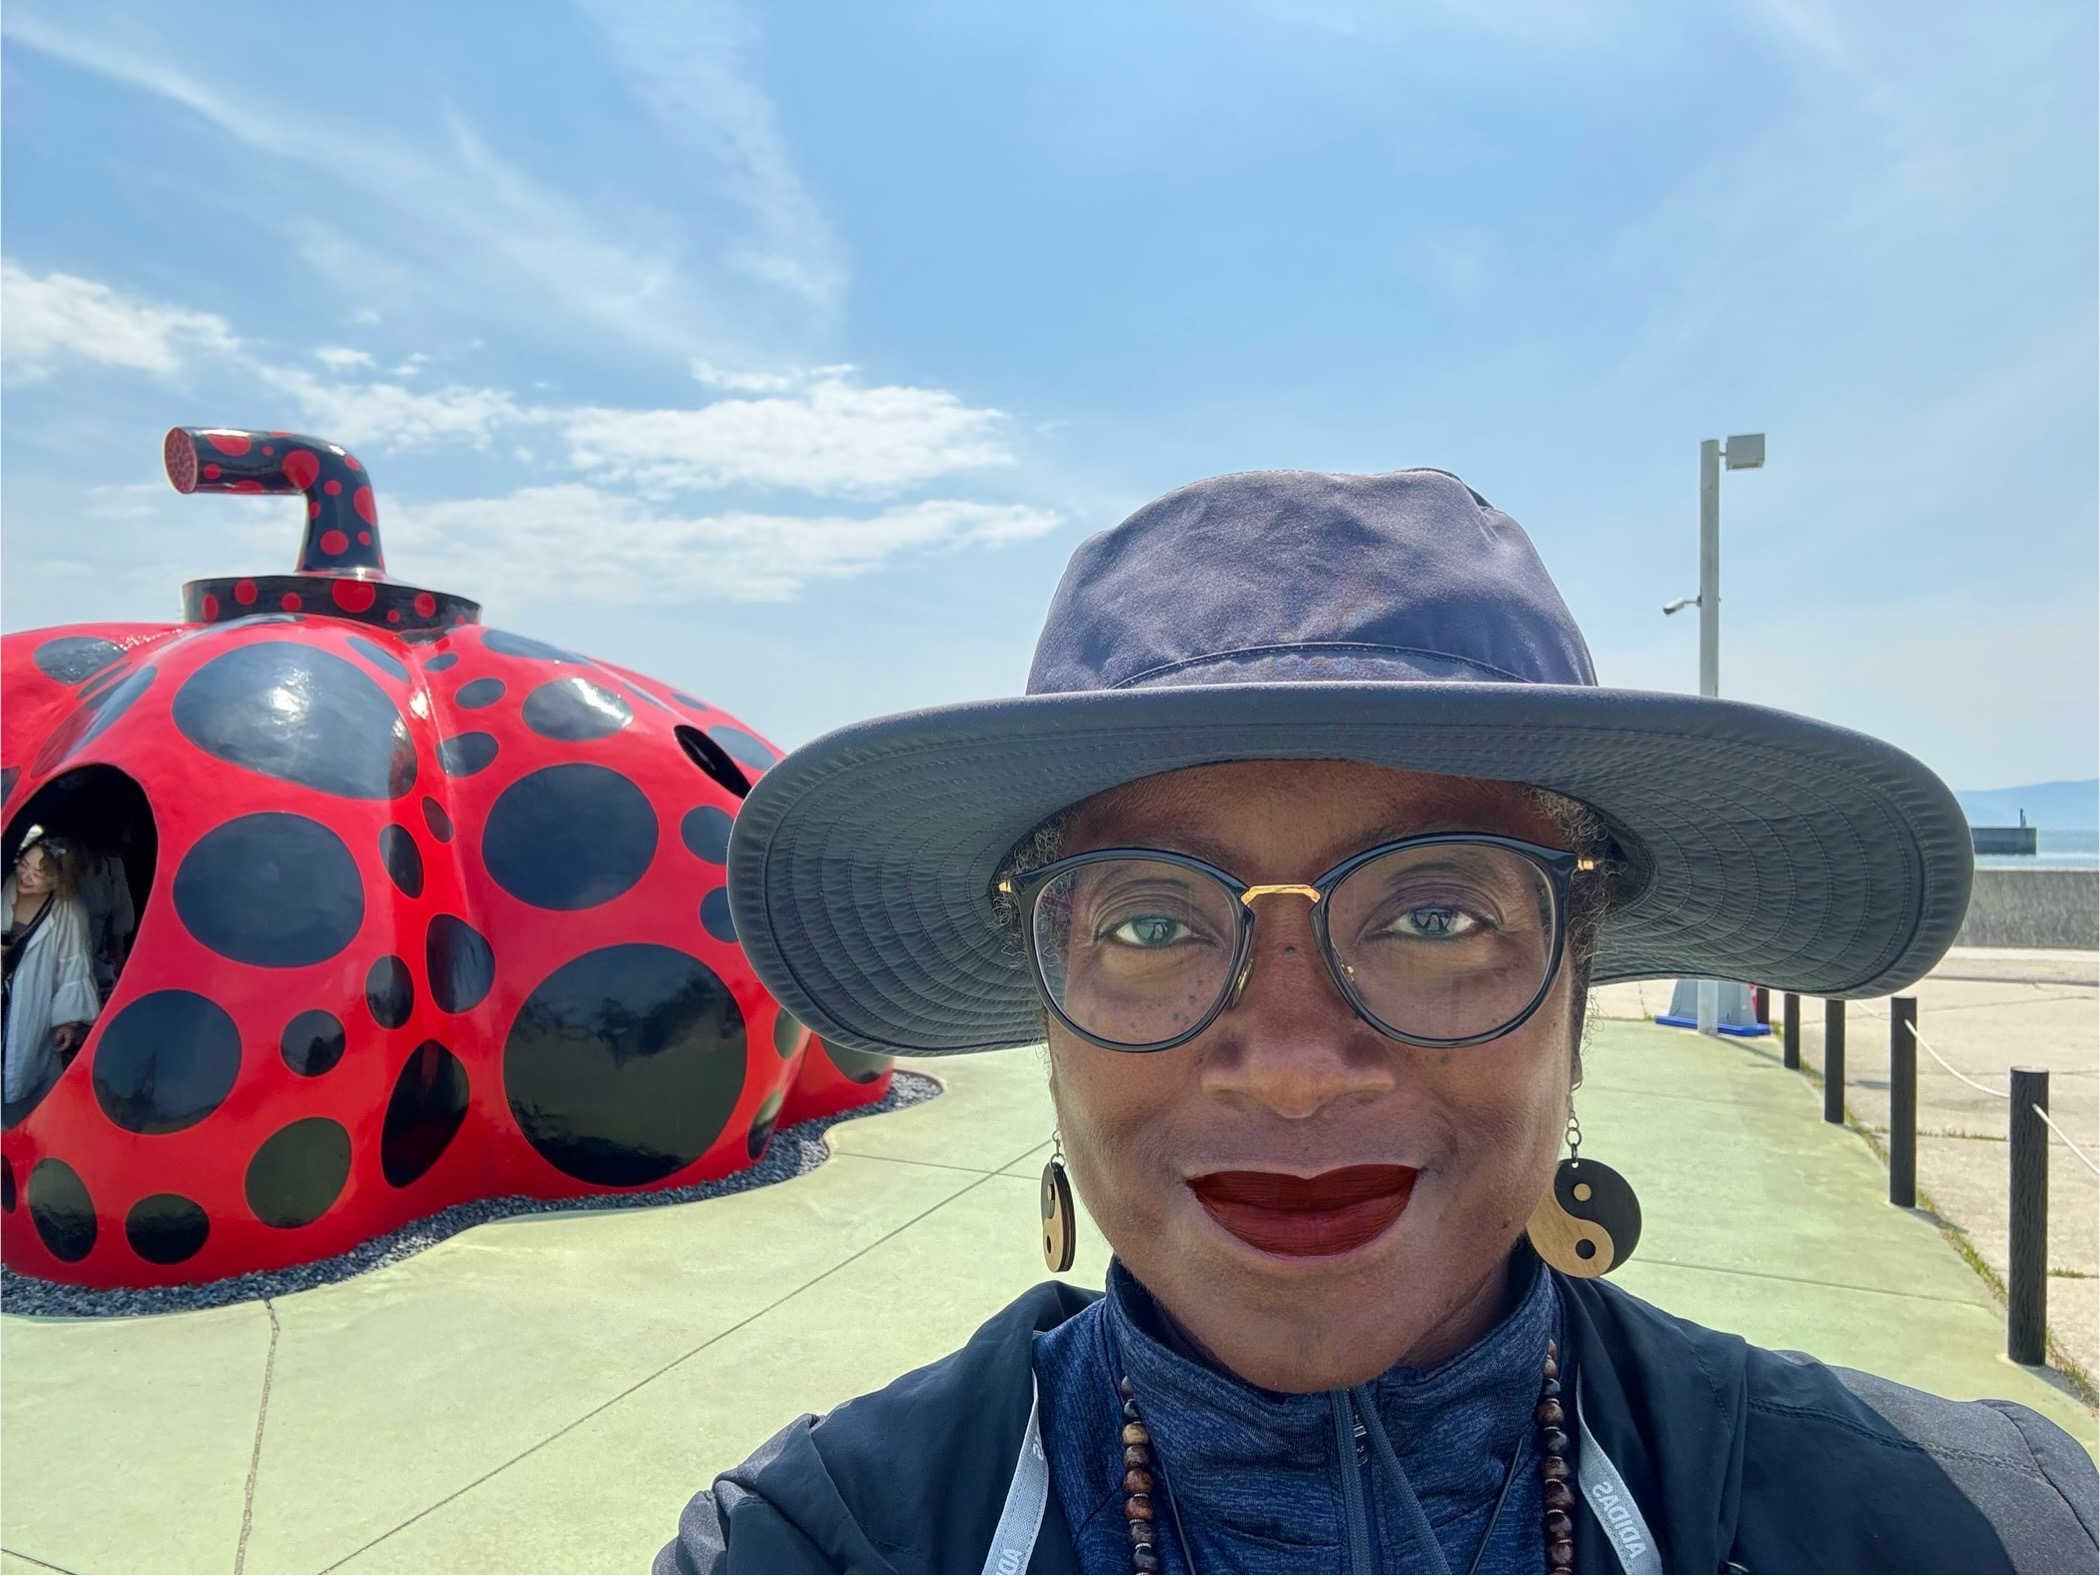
x: 1436, y: 924
x: 1149, y: 930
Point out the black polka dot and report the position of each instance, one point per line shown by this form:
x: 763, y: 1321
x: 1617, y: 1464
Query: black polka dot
x: 298, y: 1172
x: 313, y: 1042
x: 860, y: 1066
x: 575, y: 710
x: 60, y: 1209
x: 763, y: 1123
x: 466, y: 753
x: 166, y: 1228
x: 165, y: 1062
x: 706, y: 833
x: 509, y: 645
x: 301, y: 715
x: 684, y: 699
x: 403, y: 860
x: 715, y: 916
x: 569, y: 836
x: 461, y: 966
x: 379, y: 657
x: 91, y: 720
x: 744, y: 747
x: 646, y: 698
x: 9, y: 776
x: 272, y: 889
x: 787, y: 1033
x: 7, y: 1185
x: 437, y: 820
x: 428, y: 1105
x: 390, y: 992
x: 72, y: 658
x: 625, y: 1064
x: 478, y: 693
x: 440, y: 662
x: 108, y: 680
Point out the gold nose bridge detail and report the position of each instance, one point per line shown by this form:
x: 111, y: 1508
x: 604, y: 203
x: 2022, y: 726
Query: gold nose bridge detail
x: 1312, y: 894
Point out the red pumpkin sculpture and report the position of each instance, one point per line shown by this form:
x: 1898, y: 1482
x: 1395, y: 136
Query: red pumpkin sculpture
x: 428, y: 913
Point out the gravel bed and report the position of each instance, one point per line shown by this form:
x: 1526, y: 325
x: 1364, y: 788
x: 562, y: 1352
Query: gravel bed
x: 795, y: 1151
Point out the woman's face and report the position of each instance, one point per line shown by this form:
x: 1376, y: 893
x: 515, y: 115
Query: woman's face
x: 32, y: 872
x: 1186, y: 1158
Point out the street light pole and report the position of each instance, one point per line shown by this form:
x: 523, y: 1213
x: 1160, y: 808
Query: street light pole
x: 1709, y: 571
x: 1745, y: 451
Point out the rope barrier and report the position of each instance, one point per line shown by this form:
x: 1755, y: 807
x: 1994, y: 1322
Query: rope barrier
x: 2059, y: 1132
x: 1998, y: 1094
x: 2083, y: 1159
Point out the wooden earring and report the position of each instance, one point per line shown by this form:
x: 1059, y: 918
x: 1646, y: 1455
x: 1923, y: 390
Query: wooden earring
x: 1060, y: 1219
x: 1589, y: 1222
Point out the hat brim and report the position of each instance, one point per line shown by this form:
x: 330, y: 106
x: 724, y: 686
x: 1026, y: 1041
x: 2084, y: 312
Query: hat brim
x: 1761, y: 846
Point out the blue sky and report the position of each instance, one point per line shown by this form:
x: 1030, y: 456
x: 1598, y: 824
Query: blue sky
x: 786, y: 352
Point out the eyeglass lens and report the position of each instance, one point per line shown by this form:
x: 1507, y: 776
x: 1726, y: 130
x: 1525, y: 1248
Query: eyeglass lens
x: 1441, y: 941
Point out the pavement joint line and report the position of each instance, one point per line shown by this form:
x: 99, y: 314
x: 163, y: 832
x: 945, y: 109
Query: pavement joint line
x: 936, y: 1165
x: 262, y: 1417
x: 63, y: 1570
x: 648, y: 1379
x: 1810, y: 1280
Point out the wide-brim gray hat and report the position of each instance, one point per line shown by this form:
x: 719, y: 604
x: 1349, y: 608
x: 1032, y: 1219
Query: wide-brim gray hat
x: 1398, y: 620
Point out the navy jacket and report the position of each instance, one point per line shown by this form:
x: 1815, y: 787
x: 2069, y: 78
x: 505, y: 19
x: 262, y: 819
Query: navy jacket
x: 1741, y: 1459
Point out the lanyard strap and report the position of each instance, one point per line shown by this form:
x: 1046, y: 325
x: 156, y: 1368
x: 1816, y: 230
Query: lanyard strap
x: 1013, y: 1542
x: 1612, y: 1501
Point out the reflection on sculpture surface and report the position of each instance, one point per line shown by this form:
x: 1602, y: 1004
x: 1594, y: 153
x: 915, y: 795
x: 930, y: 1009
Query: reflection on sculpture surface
x: 430, y: 912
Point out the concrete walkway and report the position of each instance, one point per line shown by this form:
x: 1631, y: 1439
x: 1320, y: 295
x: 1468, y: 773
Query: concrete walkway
x: 544, y: 1393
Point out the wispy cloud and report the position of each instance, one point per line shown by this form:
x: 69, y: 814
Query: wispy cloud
x: 692, y: 67
x: 341, y: 358
x: 578, y: 543
x: 831, y: 438
x: 58, y: 318
x: 453, y: 216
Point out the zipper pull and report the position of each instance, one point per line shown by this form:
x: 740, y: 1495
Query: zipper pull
x: 1356, y: 1424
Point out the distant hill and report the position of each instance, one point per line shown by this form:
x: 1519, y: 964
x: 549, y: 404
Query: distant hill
x: 2067, y: 806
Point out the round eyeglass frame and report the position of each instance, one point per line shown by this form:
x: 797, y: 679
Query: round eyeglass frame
x: 1560, y: 868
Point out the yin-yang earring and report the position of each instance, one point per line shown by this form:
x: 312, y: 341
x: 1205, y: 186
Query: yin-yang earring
x: 1060, y: 1220
x: 1589, y: 1222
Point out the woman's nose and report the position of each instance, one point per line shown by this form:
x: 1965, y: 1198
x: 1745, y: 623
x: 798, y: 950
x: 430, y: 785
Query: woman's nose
x: 1290, y: 1042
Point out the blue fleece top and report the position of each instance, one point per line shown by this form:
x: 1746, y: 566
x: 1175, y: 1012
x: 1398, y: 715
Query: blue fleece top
x: 1257, y: 1478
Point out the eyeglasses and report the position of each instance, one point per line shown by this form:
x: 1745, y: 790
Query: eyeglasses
x: 1444, y: 940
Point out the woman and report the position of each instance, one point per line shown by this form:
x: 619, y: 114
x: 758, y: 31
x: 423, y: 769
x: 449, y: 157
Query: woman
x: 50, y: 972
x: 1302, y: 852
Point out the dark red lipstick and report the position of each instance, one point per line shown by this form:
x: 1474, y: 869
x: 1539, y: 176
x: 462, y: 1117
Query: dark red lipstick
x: 1333, y: 1212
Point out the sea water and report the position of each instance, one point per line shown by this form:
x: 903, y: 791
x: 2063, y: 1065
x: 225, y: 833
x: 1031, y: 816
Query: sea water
x: 2055, y: 850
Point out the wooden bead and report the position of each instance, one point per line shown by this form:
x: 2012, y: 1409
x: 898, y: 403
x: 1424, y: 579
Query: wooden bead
x: 1556, y: 1469
x: 1137, y: 1481
x: 1123, y: 1388
x: 1134, y: 1433
x: 1130, y: 1412
x: 1555, y: 1441
x: 1144, y: 1561
x: 1558, y: 1495
x: 1550, y: 1415
x: 1550, y: 1389
x: 1561, y: 1554
x: 1136, y: 1456
x: 1141, y: 1533
x: 1138, y: 1507
x: 1552, y: 1370
x: 1558, y: 1526
x: 1552, y: 1350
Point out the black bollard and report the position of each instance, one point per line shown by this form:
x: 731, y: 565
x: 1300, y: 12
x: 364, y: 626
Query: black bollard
x: 1833, y: 1061
x: 1903, y: 1101
x: 1790, y: 1033
x: 2027, y: 1244
x: 1761, y: 1004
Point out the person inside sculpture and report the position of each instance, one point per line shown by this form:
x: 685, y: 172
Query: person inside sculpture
x: 105, y: 892
x: 50, y: 981
x: 1301, y: 853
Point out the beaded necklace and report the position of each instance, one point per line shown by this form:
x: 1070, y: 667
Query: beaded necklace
x: 1558, y: 1524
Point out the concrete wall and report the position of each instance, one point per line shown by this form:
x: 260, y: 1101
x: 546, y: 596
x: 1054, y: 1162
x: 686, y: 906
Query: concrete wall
x: 2033, y: 908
